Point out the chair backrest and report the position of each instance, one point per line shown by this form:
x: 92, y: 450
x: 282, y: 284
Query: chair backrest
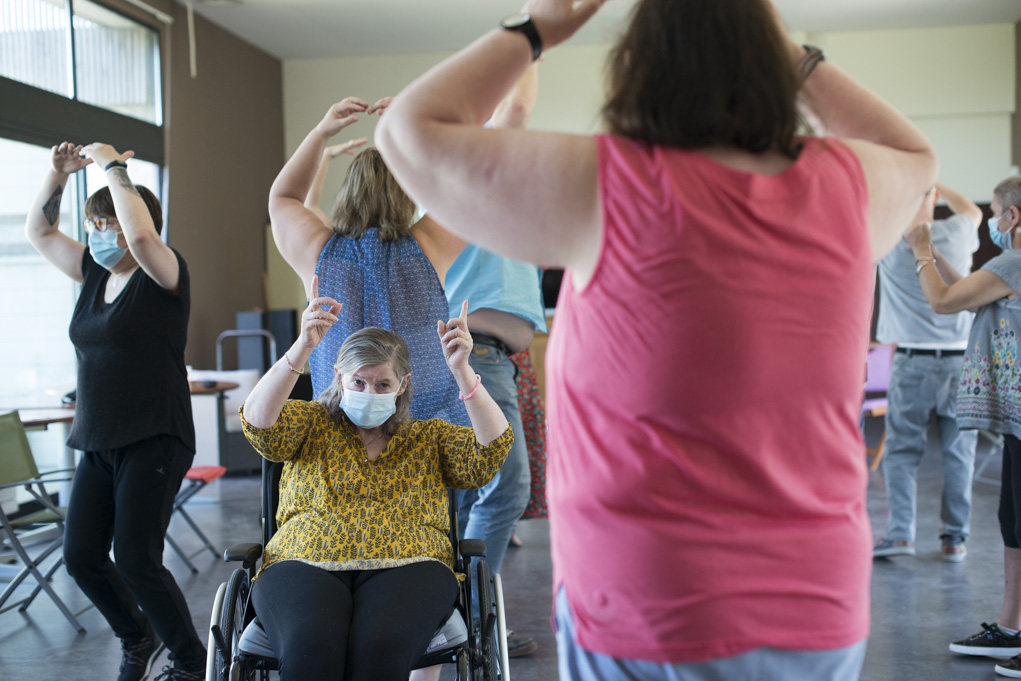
x: 879, y: 363
x: 16, y: 461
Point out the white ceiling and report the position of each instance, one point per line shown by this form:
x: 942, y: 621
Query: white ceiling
x: 300, y: 29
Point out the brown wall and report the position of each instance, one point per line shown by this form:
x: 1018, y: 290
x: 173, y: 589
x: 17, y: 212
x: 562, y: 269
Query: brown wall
x: 225, y: 148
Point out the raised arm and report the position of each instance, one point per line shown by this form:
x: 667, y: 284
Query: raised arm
x: 960, y: 204
x: 961, y: 293
x: 298, y: 232
x: 144, y: 242
x: 263, y: 406
x: 315, y: 193
x: 43, y: 224
x: 528, y: 195
x: 486, y: 416
x: 899, y: 164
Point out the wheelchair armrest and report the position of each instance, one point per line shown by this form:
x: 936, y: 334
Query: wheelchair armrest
x: 245, y: 553
x: 472, y: 548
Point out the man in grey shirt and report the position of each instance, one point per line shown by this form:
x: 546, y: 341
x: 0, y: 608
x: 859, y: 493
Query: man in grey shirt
x: 923, y: 381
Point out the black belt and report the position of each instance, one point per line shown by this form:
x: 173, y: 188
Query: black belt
x: 492, y: 341
x: 930, y: 353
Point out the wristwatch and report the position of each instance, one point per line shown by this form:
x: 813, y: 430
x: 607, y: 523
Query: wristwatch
x: 524, y: 24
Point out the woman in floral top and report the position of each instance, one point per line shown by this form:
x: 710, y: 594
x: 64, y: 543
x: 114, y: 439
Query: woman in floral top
x: 361, y: 561
x: 989, y: 396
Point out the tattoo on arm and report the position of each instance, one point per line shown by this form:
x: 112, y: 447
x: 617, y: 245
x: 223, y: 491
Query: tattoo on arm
x: 51, y: 209
x: 125, y: 182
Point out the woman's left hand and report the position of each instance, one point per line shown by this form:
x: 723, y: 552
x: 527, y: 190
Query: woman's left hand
x: 456, y: 341
x: 919, y: 238
x: 104, y: 154
x: 315, y: 321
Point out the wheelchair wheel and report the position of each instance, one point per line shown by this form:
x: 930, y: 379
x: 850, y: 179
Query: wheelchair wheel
x: 212, y: 653
x: 232, y: 620
x: 485, y: 591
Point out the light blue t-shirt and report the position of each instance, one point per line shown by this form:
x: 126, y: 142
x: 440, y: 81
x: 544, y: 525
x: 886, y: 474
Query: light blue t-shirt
x: 905, y: 316
x: 487, y: 280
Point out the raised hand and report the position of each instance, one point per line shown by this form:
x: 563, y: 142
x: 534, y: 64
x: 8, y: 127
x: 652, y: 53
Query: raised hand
x: 67, y: 158
x: 315, y: 321
x: 341, y: 115
x: 380, y: 105
x: 456, y: 340
x: 333, y: 151
x: 103, y: 154
x: 558, y: 20
x: 919, y: 238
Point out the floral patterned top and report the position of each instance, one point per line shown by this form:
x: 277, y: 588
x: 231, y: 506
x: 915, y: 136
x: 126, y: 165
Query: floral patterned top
x: 340, y: 511
x: 989, y: 396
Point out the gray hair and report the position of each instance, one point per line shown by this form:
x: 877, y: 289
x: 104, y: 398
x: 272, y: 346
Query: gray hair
x: 1008, y: 192
x: 371, y: 347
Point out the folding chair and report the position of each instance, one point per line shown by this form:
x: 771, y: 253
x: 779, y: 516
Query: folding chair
x: 18, y: 470
x: 877, y: 380
x: 197, y: 477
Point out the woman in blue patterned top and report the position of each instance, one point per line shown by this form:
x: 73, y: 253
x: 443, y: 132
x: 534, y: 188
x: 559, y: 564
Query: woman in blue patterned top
x: 388, y: 270
x: 989, y: 396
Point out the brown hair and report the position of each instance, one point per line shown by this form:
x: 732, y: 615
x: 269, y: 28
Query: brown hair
x: 371, y: 347
x: 100, y: 204
x: 697, y: 73
x: 371, y: 197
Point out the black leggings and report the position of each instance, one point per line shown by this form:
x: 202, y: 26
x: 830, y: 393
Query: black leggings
x: 385, y: 617
x: 1010, y: 493
x: 126, y: 496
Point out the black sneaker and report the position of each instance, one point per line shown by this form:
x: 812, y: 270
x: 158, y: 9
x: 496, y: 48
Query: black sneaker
x: 520, y: 646
x: 138, y: 656
x: 175, y: 674
x: 1011, y: 667
x: 991, y: 642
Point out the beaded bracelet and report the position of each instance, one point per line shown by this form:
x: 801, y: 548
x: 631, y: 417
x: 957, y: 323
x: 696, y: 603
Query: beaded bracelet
x: 478, y: 382
x: 293, y: 370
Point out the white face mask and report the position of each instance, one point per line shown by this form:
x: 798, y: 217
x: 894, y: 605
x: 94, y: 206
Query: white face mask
x: 1001, y: 239
x: 368, y: 410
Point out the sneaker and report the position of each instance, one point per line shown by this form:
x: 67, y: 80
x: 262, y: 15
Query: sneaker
x: 520, y: 646
x: 954, y: 549
x: 991, y: 642
x: 138, y: 656
x: 175, y: 674
x: 890, y: 547
x: 1011, y: 667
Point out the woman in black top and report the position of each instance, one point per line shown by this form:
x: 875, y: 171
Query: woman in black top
x: 133, y: 419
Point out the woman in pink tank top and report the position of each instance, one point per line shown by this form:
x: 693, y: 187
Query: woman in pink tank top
x: 706, y: 487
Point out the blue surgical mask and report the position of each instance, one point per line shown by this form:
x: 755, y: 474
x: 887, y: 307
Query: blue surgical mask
x: 104, y: 248
x: 368, y: 410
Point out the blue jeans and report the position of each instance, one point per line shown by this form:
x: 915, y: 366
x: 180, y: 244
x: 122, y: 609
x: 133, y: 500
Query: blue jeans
x: 574, y: 662
x: 491, y: 512
x: 921, y: 385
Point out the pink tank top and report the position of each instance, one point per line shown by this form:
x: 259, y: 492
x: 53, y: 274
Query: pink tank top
x: 706, y: 469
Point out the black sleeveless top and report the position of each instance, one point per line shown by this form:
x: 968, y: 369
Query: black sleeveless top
x: 132, y: 384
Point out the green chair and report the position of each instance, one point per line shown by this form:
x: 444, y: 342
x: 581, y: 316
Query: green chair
x: 18, y: 470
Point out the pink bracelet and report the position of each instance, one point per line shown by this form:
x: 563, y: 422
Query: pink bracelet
x: 478, y: 382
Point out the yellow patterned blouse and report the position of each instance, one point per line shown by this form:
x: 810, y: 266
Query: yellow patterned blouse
x: 340, y: 511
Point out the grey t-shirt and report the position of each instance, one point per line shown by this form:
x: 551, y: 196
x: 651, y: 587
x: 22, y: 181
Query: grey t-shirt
x: 905, y: 316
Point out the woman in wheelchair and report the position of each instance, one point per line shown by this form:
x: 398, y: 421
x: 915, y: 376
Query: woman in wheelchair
x: 361, y: 561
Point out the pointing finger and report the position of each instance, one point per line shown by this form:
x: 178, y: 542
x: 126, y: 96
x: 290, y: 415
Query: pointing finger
x: 464, y: 313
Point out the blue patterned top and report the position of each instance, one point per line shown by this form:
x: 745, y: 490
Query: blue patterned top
x: 989, y: 396
x: 394, y: 286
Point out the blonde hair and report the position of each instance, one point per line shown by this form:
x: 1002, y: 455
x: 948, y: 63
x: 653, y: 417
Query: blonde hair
x: 371, y: 347
x: 370, y: 197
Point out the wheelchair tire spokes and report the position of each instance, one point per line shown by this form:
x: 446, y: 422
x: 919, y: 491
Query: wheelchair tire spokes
x: 232, y: 621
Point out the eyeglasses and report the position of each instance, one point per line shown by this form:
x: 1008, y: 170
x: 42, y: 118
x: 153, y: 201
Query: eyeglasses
x: 99, y: 224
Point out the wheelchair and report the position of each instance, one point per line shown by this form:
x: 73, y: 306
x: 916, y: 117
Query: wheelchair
x: 239, y: 649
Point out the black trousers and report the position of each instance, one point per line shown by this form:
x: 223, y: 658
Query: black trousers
x: 125, y: 497
x: 385, y: 618
x: 1010, y: 493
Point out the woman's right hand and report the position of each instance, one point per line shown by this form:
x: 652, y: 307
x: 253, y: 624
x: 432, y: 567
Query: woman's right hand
x: 558, y: 20
x: 66, y: 158
x: 334, y: 150
x: 341, y: 115
x: 315, y: 321
x: 919, y: 238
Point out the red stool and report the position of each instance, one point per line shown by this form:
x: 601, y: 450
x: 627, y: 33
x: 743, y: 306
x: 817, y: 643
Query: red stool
x: 197, y: 477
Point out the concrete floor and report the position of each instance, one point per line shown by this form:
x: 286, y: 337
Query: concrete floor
x: 919, y: 604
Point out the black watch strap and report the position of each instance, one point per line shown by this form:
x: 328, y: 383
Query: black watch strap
x: 807, y: 64
x: 524, y: 24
